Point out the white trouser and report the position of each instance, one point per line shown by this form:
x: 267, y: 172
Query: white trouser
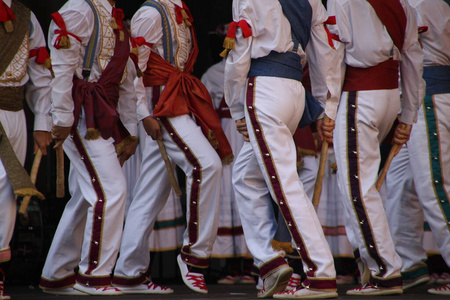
x: 404, y: 213
x: 91, y: 226
x: 267, y: 166
x: 363, y: 119
x: 230, y: 241
x: 190, y: 150
x: 14, y: 124
x: 331, y: 212
x: 429, y: 150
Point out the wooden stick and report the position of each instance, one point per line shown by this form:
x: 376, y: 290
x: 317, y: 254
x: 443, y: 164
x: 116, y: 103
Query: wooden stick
x: 394, y: 150
x: 60, y: 189
x: 33, y: 176
x: 320, y: 174
x: 169, y: 168
x: 320, y: 171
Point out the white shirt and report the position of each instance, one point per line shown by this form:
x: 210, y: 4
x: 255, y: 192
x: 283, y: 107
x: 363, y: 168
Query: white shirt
x: 37, y: 80
x: 271, y: 31
x: 367, y: 43
x: 146, y: 23
x: 435, y: 14
x: 79, y: 19
x: 213, y: 79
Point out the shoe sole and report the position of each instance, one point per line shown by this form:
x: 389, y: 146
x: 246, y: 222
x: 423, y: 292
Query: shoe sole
x: 147, y: 293
x: 439, y: 293
x: 79, y: 293
x: 280, y: 283
x: 380, y: 292
x: 416, y: 283
x: 186, y: 282
x: 89, y: 292
x: 322, y: 295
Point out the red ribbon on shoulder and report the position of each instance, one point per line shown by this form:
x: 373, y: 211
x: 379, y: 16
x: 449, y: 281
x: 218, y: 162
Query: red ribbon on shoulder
x: 246, y: 30
x: 230, y: 39
x: 139, y: 42
x: 6, y: 13
x: 63, y: 34
x: 41, y: 55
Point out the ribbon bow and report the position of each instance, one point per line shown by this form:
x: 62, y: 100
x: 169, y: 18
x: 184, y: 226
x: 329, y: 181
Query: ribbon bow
x: 137, y: 42
x: 62, y: 40
x: 117, y: 22
x: 6, y: 17
x: 230, y: 40
x: 183, y: 14
x: 42, y: 56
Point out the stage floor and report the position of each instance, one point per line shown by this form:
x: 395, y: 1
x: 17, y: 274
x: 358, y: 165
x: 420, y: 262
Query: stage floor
x: 216, y: 291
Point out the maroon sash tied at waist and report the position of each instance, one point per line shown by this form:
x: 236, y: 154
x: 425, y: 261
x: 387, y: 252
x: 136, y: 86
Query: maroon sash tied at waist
x: 99, y: 99
x: 383, y: 76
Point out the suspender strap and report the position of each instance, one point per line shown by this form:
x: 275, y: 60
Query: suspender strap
x: 167, y: 33
x: 91, y: 48
x: 392, y: 15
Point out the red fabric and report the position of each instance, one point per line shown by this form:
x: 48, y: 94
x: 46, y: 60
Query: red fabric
x: 422, y: 29
x: 331, y: 20
x: 41, y: 55
x: 383, y: 76
x: 392, y: 16
x: 139, y: 41
x: 179, y: 14
x: 183, y: 94
x: 6, y: 13
x: 304, y: 139
x: 118, y: 15
x: 59, y: 21
x: 99, y: 99
x: 246, y: 29
x: 329, y: 36
x: 223, y: 111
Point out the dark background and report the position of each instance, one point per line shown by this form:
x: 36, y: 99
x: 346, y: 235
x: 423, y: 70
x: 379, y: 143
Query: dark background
x: 34, y: 231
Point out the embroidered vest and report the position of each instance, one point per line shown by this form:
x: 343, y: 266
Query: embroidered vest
x: 178, y: 54
x: 14, y: 47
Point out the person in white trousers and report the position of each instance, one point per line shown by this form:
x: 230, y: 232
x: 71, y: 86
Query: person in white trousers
x: 372, y: 49
x: 21, y: 73
x: 94, y: 120
x: 266, y: 98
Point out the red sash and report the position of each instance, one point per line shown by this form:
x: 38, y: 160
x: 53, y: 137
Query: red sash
x: 392, y: 15
x: 383, y: 76
x: 183, y: 94
x: 99, y: 99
